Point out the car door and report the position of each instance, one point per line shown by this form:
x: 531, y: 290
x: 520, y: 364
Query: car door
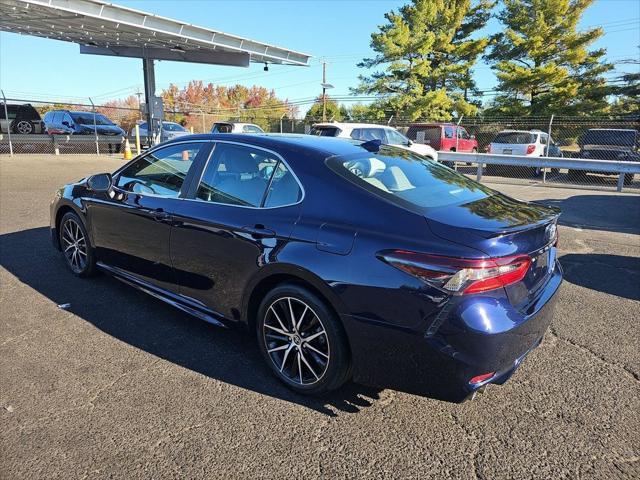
x: 131, y: 227
x: 237, y: 218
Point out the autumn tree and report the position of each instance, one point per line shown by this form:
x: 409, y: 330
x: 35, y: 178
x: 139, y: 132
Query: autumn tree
x: 543, y: 62
x: 425, y: 54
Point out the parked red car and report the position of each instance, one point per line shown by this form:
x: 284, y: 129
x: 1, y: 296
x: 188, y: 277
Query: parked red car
x: 443, y: 137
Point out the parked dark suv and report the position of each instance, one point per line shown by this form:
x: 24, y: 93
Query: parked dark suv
x: 609, y: 144
x: 23, y: 119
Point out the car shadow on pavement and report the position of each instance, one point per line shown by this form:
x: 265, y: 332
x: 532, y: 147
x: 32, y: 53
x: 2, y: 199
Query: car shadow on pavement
x: 611, y: 213
x: 227, y: 355
x: 599, y: 272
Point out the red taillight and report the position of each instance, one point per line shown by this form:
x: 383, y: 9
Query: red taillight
x: 481, y: 378
x: 530, y: 149
x: 460, y: 275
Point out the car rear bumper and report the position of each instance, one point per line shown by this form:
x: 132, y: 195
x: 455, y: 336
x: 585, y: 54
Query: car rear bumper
x: 468, y: 337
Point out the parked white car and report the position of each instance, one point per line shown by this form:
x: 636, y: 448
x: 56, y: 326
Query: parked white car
x: 529, y: 143
x: 368, y: 131
x: 235, y: 127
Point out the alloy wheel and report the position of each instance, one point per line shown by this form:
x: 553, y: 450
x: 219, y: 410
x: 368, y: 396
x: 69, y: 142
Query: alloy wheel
x: 296, y: 341
x: 74, y: 245
x: 24, y: 127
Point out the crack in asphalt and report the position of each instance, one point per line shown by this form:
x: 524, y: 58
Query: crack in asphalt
x: 476, y: 449
x: 88, y: 404
x: 595, y: 354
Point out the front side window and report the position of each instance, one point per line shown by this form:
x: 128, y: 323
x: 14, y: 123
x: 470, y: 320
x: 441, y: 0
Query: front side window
x: 396, y: 138
x: 408, y: 179
x: 248, y: 177
x: 161, y: 172
x: 252, y: 129
x: 462, y: 133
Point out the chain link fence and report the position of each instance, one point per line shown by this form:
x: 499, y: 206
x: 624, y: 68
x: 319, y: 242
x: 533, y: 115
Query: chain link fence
x: 22, y: 130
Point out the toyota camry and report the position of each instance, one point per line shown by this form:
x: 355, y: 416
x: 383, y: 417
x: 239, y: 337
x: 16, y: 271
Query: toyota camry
x: 343, y: 258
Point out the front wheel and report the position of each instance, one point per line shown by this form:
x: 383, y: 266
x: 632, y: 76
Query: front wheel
x: 75, y: 246
x: 302, y: 341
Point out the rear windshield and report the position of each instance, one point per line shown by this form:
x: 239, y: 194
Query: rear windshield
x: 624, y: 138
x: 222, y: 128
x: 515, y: 137
x: 431, y: 134
x: 408, y: 180
x: 325, y: 131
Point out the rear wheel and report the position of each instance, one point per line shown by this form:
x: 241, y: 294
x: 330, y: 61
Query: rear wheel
x: 75, y: 246
x: 302, y: 341
x: 23, y: 127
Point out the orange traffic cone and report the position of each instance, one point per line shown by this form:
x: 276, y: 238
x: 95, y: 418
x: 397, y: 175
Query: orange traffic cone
x: 127, y: 150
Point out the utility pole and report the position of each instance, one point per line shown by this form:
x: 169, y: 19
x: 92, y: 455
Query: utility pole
x: 324, y: 91
x: 325, y: 87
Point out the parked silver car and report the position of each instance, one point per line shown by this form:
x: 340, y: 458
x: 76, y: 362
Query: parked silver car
x: 170, y: 130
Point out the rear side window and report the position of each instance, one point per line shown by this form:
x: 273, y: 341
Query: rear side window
x: 431, y: 134
x: 408, y: 180
x: 325, y: 131
x: 248, y: 177
x: 515, y: 138
x: 367, y: 134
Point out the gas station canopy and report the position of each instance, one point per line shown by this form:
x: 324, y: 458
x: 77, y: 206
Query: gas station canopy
x: 106, y: 29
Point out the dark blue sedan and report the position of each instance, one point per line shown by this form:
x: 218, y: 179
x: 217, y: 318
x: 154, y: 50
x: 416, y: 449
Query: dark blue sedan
x: 348, y: 260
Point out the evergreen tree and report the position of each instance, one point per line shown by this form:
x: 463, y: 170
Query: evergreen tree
x: 426, y: 51
x: 543, y: 63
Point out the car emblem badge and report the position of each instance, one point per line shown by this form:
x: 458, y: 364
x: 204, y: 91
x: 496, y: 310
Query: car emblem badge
x: 550, y: 231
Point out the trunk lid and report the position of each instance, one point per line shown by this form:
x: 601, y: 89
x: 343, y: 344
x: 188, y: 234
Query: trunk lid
x: 500, y: 226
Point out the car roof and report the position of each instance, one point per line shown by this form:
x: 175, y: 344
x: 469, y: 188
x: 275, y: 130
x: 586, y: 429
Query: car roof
x: 329, y: 146
x: 351, y: 125
x: 241, y: 124
x: 433, y: 124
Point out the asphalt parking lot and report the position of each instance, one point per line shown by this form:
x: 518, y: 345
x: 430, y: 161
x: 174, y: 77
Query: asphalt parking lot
x: 119, y: 385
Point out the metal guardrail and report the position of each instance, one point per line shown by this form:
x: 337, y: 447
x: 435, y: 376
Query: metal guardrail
x: 56, y: 141
x: 587, y: 165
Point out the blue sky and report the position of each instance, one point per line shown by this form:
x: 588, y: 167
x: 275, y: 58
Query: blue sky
x: 336, y: 30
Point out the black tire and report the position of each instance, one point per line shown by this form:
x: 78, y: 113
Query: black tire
x: 336, y: 369
x: 80, y: 264
x: 23, y: 127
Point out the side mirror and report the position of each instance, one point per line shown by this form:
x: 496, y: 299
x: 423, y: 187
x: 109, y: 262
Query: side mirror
x: 409, y: 143
x: 472, y: 137
x: 100, y: 182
